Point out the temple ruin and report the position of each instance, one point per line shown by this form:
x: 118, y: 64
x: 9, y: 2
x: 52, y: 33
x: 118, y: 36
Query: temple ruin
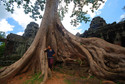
x: 113, y: 33
x: 17, y: 45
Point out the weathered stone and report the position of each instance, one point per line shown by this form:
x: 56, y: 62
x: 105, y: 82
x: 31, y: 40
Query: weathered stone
x: 31, y: 30
x: 78, y: 34
x: 17, y: 45
x: 97, y: 22
x: 113, y: 33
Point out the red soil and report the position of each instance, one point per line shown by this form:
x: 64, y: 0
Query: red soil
x: 58, y: 78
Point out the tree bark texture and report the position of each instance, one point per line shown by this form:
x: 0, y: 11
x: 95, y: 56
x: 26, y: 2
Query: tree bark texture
x: 105, y: 60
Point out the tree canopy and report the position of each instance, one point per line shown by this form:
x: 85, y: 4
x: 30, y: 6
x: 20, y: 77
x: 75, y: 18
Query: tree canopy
x: 35, y: 7
x: 124, y: 8
x: 2, y: 34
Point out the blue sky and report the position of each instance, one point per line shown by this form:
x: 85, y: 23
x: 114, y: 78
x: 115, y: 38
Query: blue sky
x: 17, y: 28
x: 111, y: 12
x: 16, y: 23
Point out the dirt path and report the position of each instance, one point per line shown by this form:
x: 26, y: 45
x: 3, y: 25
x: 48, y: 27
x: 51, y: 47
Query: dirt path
x: 57, y: 78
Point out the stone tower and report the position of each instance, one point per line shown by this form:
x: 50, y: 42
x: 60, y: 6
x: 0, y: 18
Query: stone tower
x: 31, y: 30
x: 97, y: 22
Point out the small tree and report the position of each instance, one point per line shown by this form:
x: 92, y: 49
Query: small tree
x: 2, y: 44
x: 105, y: 60
x: 2, y: 49
x: 2, y: 34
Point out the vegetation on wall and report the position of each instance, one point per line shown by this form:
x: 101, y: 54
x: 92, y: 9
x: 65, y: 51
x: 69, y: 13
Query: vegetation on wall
x: 2, y: 49
x: 2, y: 44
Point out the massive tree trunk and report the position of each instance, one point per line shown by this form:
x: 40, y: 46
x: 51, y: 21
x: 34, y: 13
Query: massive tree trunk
x: 105, y: 60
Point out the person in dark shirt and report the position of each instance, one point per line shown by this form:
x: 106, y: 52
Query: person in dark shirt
x: 50, y: 55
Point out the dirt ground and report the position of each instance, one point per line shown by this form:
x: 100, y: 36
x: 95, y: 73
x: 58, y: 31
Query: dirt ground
x: 57, y: 78
x: 19, y: 79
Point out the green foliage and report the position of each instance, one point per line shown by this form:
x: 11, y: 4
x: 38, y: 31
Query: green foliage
x: 39, y: 5
x: 100, y: 81
x: 1, y: 67
x: 81, y: 43
x: 2, y: 44
x: 83, y: 77
x: 91, y: 76
x: 35, y: 78
x: 80, y: 16
x: 20, y: 77
x: 2, y: 34
x: 78, y: 12
x: 29, y: 7
x: 119, y: 83
x: 124, y: 8
x: 67, y: 81
x: 2, y: 49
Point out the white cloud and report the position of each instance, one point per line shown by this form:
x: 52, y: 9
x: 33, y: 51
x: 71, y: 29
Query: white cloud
x: 18, y: 15
x: 22, y: 18
x: 122, y: 16
x: 5, y: 26
x: 20, y: 33
x: 98, y: 12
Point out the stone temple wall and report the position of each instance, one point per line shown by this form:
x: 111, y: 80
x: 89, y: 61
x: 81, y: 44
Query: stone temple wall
x: 17, y: 45
x: 113, y: 33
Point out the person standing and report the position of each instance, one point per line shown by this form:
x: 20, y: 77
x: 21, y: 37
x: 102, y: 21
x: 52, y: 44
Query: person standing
x: 50, y: 55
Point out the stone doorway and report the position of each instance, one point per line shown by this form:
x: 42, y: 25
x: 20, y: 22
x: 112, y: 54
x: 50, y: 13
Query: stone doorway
x: 123, y: 41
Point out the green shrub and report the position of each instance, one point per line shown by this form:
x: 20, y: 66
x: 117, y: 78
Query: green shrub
x: 83, y: 77
x: 2, y: 48
x: 67, y: 81
x: 91, y: 76
x: 2, y: 34
x: 1, y: 67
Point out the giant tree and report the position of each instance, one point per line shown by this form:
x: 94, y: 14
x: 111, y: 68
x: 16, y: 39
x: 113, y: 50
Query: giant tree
x: 105, y: 60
